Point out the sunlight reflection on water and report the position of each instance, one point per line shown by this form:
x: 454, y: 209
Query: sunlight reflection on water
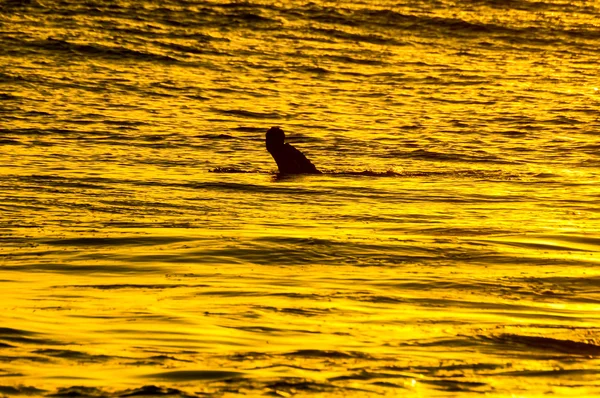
x: 450, y: 247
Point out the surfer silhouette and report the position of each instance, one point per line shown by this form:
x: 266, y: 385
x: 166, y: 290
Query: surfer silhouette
x: 289, y: 160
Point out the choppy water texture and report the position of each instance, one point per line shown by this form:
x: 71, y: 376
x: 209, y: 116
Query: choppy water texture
x: 450, y: 248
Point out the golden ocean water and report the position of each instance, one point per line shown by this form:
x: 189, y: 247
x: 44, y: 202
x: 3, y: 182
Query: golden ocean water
x: 450, y: 248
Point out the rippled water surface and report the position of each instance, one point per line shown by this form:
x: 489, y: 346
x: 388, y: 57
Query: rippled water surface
x: 450, y: 248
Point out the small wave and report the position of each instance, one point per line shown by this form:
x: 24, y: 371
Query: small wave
x: 130, y: 286
x: 31, y: 131
x: 8, y: 4
x: 98, y: 50
x: 370, y: 173
x: 367, y: 173
x: 535, y: 5
x: 570, y: 243
x: 74, y: 269
x: 304, y: 312
x: 21, y: 390
x: 119, y: 241
x: 183, y: 49
x: 247, y: 129
x: 248, y: 114
x: 79, y: 356
x: 231, y: 381
x: 215, y: 137
x: 345, y: 59
x: 400, y: 20
x: 153, y: 391
x: 457, y: 27
x: 456, y: 385
x: 192, y: 375
x: 478, y: 174
x: 449, y: 157
x: 230, y: 170
x: 354, y: 37
x: 322, y: 14
x: 443, y: 367
x: 266, y: 330
x: 547, y: 344
x: 250, y: 17
x: 25, y: 337
x: 329, y: 354
x: 4, y: 96
x: 314, y: 69
x: 440, y: 384
x: 9, y: 141
x: 96, y: 392
x: 244, y: 16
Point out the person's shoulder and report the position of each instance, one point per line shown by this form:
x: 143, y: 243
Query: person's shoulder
x: 289, y: 147
x: 304, y: 165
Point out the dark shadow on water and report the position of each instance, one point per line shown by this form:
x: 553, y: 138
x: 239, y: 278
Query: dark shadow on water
x: 21, y: 390
x: 190, y: 375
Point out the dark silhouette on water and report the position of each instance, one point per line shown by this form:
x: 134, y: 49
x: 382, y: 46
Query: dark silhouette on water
x: 288, y: 159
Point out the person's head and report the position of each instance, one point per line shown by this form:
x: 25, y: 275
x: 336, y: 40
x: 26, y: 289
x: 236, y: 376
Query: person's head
x: 275, y: 138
